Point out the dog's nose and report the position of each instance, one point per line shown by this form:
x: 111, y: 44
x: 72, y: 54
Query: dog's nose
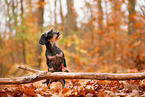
x: 57, y: 32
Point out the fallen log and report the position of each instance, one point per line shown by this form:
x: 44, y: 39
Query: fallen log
x: 63, y: 75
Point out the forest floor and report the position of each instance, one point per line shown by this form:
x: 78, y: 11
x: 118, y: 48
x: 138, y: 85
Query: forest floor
x: 77, y: 88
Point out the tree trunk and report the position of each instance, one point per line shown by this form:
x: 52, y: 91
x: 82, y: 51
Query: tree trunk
x: 55, y: 15
x: 38, y: 49
x: 91, y: 27
x: 131, y: 20
x: 70, y: 19
x: 61, y: 13
x: 2, y: 69
x: 23, y: 41
x: 100, y: 22
x: 70, y: 24
x: 14, y: 13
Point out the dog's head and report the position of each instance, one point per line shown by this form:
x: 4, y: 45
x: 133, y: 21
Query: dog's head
x: 50, y: 36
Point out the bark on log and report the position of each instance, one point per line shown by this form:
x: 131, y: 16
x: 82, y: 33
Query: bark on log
x: 63, y: 75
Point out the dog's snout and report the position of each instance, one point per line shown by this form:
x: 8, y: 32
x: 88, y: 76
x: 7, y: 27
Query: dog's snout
x: 58, y: 33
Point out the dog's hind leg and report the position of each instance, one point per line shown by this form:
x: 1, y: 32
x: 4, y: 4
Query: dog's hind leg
x: 62, y: 81
x: 47, y: 81
x: 50, y: 81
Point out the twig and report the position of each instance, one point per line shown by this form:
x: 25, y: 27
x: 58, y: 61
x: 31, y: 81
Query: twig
x: 28, y: 69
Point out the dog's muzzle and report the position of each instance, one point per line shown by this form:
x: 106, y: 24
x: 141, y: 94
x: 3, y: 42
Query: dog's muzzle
x: 57, y: 33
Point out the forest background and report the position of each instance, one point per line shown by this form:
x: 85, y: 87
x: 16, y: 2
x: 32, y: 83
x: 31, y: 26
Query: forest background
x: 96, y: 35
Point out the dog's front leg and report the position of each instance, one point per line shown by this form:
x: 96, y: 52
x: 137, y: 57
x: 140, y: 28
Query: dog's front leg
x: 50, y: 67
x: 64, y: 69
x: 50, y: 82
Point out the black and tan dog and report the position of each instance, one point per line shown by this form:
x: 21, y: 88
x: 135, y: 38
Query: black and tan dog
x: 54, y: 56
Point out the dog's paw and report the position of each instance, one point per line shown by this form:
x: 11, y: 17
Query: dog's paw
x: 66, y: 71
x: 44, y: 82
x: 51, y: 69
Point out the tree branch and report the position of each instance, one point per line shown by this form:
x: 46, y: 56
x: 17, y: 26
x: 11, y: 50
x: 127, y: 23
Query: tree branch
x: 28, y: 69
x: 63, y: 75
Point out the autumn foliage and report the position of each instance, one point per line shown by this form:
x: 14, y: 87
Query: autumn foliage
x: 99, y: 35
x: 96, y: 36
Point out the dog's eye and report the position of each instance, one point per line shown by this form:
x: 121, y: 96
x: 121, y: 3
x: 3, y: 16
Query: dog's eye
x: 49, y: 36
x: 49, y: 32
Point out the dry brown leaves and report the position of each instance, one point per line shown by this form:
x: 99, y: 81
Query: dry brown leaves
x: 78, y: 88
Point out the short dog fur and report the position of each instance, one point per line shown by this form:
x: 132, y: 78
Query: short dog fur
x: 55, y: 57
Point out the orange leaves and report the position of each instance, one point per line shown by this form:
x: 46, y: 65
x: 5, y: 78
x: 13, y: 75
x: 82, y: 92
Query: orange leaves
x: 29, y: 91
x: 134, y: 1
x: 110, y: 0
x: 60, y: 28
x: 23, y: 90
x: 75, y: 82
x: 95, y: 50
x: 65, y: 90
x: 137, y: 25
x: 137, y: 43
x: 105, y: 89
x: 80, y: 88
x: 132, y: 16
x: 45, y: 88
x: 41, y: 4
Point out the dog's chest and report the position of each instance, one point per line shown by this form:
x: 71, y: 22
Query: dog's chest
x: 52, y: 50
x: 57, y: 61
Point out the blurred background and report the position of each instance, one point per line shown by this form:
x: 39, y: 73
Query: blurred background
x: 96, y: 35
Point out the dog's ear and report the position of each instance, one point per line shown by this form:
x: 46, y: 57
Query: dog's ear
x: 44, y: 37
x: 51, y: 29
x: 43, y: 40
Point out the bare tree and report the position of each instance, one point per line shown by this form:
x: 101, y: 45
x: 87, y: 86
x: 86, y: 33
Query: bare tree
x: 100, y: 15
x: 38, y: 50
x: 55, y: 15
x: 23, y: 41
x: 70, y: 19
x: 131, y: 20
x: 61, y: 13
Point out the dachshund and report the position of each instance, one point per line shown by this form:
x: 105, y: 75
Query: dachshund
x: 55, y: 58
